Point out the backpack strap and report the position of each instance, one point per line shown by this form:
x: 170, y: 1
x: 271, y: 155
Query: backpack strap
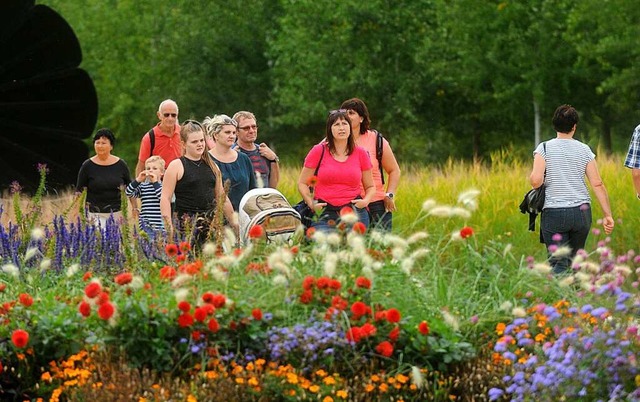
x: 315, y: 173
x: 379, y: 146
x: 152, y: 141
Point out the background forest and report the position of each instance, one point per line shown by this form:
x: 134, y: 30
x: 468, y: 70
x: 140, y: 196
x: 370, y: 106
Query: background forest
x: 460, y: 79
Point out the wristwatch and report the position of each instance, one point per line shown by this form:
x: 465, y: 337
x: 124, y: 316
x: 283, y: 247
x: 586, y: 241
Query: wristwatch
x: 390, y: 195
x: 276, y: 160
x: 638, y: 195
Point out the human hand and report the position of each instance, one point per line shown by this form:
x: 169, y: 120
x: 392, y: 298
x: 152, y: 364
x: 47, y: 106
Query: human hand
x: 142, y: 176
x: 317, y: 206
x: 608, y: 224
x: 359, y: 203
x: 389, y: 204
x: 266, y: 152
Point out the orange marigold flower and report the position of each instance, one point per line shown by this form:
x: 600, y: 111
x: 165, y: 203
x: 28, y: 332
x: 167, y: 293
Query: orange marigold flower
x: 310, y: 231
x: 123, y: 278
x: 385, y: 348
x: 25, y: 299
x: 423, y: 327
x: 86, y: 276
x: 359, y: 228
x: 257, y: 314
x: 393, y: 315
x: 185, y: 320
x: 106, y: 310
x: 466, y: 232
x: 256, y: 232
x: 500, y: 328
x: 295, y: 250
x: 171, y: 250
x: 92, y: 290
x: 20, y: 338
x: 84, y: 308
x: 362, y: 282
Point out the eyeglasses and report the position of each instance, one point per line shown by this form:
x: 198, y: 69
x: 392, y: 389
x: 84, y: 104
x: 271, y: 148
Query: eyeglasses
x: 174, y: 115
x: 228, y: 120
x: 253, y: 126
x: 340, y: 111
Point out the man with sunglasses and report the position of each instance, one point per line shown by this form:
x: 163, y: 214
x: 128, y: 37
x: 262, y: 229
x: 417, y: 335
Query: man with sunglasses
x: 264, y: 160
x: 163, y: 139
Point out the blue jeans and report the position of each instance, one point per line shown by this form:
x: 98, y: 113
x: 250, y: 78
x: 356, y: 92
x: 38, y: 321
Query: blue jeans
x: 573, y: 225
x: 379, y: 217
x: 330, y: 217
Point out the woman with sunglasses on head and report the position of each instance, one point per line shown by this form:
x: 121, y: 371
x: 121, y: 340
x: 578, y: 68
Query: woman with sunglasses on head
x: 235, y: 166
x: 343, y: 170
x: 383, y: 204
x: 196, y: 183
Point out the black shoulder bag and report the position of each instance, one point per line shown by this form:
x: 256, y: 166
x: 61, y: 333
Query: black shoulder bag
x: 307, y: 214
x: 533, y: 201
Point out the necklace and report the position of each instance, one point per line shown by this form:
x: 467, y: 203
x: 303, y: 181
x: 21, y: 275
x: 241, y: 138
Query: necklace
x: 197, y: 164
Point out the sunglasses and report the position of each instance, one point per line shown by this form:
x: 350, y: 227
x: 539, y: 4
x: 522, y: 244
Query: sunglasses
x: 253, y: 126
x: 228, y: 120
x: 193, y: 123
x: 337, y: 111
x: 174, y: 115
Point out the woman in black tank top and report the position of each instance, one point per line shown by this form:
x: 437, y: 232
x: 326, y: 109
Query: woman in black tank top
x: 197, y: 185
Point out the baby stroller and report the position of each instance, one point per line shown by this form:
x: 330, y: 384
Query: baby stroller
x: 270, y: 209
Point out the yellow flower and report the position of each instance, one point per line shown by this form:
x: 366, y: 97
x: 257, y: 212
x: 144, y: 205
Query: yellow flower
x: 142, y: 399
x: 369, y: 387
x: 46, y: 376
x: 383, y: 387
x: 321, y: 373
x: 314, y: 389
x: 253, y: 382
x: 327, y: 399
x: 191, y: 398
x: 402, y: 379
x: 292, y: 378
x: 240, y: 380
x: 250, y: 366
x: 342, y: 394
x: 375, y: 378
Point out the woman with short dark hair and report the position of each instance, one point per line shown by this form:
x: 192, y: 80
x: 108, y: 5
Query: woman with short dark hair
x: 104, y: 176
x: 561, y: 164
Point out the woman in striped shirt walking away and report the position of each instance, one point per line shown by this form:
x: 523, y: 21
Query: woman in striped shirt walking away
x: 562, y: 165
x: 148, y: 187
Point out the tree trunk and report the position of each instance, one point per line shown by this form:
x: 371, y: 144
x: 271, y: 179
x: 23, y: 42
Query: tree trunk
x: 536, y: 123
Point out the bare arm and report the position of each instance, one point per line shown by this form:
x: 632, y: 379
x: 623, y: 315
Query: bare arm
x: 635, y: 173
x: 537, y: 174
x: 274, y: 167
x: 303, y: 187
x: 369, y: 190
x: 139, y: 167
x: 171, y: 176
x: 601, y: 194
x: 390, y: 165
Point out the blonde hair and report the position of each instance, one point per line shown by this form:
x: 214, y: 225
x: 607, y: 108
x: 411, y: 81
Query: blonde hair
x: 214, y: 124
x: 155, y: 159
x: 241, y: 115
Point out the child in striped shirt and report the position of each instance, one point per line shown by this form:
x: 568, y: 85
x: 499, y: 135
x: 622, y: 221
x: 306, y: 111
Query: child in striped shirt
x: 148, y: 186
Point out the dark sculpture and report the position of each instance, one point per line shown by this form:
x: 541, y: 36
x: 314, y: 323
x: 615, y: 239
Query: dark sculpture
x: 47, y: 104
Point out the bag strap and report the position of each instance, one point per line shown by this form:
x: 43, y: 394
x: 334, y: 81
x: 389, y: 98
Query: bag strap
x: 379, y: 147
x: 152, y: 141
x: 315, y: 173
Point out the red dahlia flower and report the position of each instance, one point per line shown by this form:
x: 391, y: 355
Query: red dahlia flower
x: 354, y: 334
x: 207, y: 297
x: 219, y: 300
x: 368, y: 330
x: 257, y: 314
x: 423, y: 327
x: 213, y: 325
x: 363, y: 282
x: 359, y: 228
x: 20, y: 338
x: 185, y: 246
x: 308, y: 282
x: 256, y: 232
x: 185, y: 320
x: 84, y: 308
x: 106, y: 310
x: 200, y: 314
x: 123, y: 278
x: 25, y: 299
x: 306, y: 297
x: 394, y: 334
x: 168, y: 272
x: 87, y: 276
x: 466, y: 232
x: 358, y: 309
x: 92, y: 290
x: 385, y: 348
x: 184, y: 306
x: 393, y: 315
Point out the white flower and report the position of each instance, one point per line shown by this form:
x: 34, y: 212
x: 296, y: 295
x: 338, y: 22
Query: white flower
x: 542, y: 268
x: 468, y: 197
x: 562, y: 251
x: 181, y: 294
x: 37, y: 234
x: 229, y: 242
x: 419, y: 253
x: 583, y: 277
x: 456, y: 236
x: 519, y: 312
x: 72, y: 270
x: 30, y: 253
x: 11, y: 269
x: 566, y: 281
x: 624, y: 270
x: 330, y: 264
x: 367, y: 272
x: 181, y: 280
x: 319, y: 237
x: 209, y: 249
x: 461, y: 212
x: 334, y: 239
x: 506, y: 306
x: 280, y: 280
x: 136, y: 283
x: 407, y: 265
x: 398, y: 252
x: 442, y: 211
x: 416, y: 377
x: 219, y: 275
x: 416, y: 237
x: 428, y: 205
x: 349, y: 218
x: 450, y: 320
x: 45, y: 264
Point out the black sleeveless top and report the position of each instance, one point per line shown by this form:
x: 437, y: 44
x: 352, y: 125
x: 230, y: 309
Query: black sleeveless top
x: 195, y: 190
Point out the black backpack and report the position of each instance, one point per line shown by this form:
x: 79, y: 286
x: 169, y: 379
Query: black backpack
x: 533, y: 201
